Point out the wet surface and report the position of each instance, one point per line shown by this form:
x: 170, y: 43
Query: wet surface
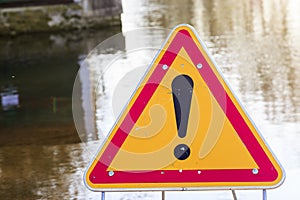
x: 42, y: 69
x: 39, y: 144
x: 255, y: 43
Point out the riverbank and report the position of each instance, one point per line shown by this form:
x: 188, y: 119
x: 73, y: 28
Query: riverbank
x: 53, y: 18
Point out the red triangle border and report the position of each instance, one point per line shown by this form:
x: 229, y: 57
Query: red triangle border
x: 183, y: 39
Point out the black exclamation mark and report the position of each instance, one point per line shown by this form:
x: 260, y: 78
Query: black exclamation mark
x: 182, y: 90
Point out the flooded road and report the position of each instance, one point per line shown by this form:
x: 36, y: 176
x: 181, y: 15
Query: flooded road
x: 255, y: 43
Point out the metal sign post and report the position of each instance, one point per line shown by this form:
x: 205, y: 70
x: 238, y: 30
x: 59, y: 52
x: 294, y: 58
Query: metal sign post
x: 264, y: 194
x: 162, y: 195
x: 102, y: 195
x: 234, y: 195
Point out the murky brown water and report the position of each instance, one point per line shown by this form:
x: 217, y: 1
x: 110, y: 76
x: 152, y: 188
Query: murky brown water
x: 255, y: 43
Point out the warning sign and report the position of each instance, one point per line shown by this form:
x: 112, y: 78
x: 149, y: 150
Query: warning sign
x: 183, y: 128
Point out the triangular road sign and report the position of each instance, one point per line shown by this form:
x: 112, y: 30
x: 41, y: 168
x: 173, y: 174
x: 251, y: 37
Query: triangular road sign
x: 183, y: 129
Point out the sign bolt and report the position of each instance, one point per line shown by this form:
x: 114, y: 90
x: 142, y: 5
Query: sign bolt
x: 199, y: 65
x: 255, y: 171
x: 165, y: 67
x: 111, y: 173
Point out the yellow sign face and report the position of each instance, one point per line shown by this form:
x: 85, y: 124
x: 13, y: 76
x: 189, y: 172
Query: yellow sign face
x: 183, y: 128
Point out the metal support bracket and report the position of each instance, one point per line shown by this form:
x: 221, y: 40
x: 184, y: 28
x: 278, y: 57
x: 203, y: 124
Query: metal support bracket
x: 162, y: 195
x: 264, y: 194
x: 234, y: 194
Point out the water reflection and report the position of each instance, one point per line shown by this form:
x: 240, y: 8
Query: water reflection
x: 42, y: 172
x: 36, y: 124
x: 9, y: 98
x: 262, y: 59
x: 37, y: 75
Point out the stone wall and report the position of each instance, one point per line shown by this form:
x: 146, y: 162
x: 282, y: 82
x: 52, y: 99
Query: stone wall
x: 57, y: 18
